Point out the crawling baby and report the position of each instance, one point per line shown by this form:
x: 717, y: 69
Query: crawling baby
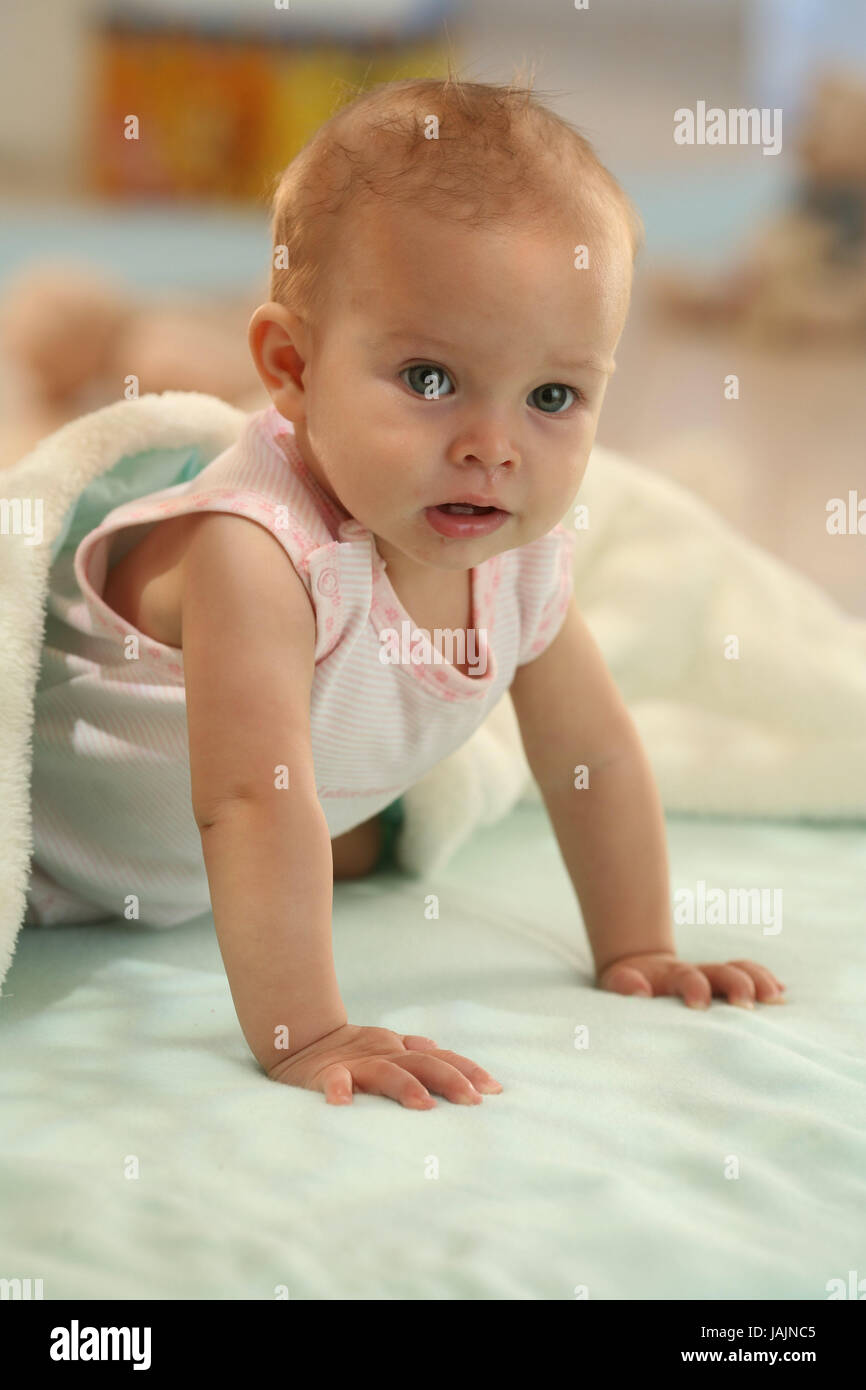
x: 451, y: 277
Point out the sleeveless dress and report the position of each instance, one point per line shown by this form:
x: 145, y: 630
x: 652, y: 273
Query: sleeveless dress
x: 114, y: 834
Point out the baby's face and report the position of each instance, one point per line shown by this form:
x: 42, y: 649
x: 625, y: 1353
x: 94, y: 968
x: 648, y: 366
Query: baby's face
x: 454, y: 363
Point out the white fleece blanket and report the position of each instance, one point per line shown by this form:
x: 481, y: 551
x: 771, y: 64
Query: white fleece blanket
x: 663, y: 582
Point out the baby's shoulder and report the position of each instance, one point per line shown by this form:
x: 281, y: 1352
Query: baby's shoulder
x: 144, y: 587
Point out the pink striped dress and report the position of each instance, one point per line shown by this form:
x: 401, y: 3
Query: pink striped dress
x: 113, y: 829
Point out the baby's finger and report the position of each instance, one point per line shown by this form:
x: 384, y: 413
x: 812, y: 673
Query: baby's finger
x: 735, y: 983
x: 692, y: 985
x: 379, y: 1077
x: 441, y: 1077
x: 626, y: 979
x: 481, y: 1079
x: 766, y: 987
x: 337, y: 1085
x: 416, y: 1043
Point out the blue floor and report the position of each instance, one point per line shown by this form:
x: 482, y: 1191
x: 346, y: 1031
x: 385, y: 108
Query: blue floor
x: 701, y: 217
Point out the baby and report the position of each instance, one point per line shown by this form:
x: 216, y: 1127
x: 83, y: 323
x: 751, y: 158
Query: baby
x: 452, y: 273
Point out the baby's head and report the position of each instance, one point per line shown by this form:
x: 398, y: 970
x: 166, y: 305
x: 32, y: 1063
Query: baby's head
x: 437, y: 333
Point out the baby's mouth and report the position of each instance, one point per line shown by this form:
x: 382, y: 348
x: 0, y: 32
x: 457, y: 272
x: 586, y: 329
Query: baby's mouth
x: 465, y: 520
x: 463, y: 509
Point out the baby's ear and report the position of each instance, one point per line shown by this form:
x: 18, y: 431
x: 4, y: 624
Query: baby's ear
x: 276, y: 337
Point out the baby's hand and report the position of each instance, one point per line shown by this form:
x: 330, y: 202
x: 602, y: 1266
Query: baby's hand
x: 382, y: 1063
x: 661, y: 972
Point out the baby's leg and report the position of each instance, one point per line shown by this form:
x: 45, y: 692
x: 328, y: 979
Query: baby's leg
x: 370, y: 846
x: 357, y: 852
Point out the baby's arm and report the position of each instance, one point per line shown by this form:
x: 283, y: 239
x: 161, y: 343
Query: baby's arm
x: 248, y: 643
x: 612, y: 833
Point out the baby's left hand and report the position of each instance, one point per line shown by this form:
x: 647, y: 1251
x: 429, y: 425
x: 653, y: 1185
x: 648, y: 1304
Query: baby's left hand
x: 662, y: 972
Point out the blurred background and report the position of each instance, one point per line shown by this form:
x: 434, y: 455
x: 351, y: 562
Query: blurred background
x: 155, y: 250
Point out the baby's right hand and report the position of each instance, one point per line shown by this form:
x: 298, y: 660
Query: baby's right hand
x: 382, y: 1063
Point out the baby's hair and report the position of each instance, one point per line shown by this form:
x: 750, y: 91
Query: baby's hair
x: 499, y: 157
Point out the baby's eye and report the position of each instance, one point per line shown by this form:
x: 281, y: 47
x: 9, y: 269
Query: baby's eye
x: 550, y: 397
x: 425, y: 378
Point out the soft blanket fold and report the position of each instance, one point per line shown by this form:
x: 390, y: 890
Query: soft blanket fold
x: 669, y: 589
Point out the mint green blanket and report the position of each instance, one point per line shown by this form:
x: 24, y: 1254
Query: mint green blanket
x: 678, y: 1155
